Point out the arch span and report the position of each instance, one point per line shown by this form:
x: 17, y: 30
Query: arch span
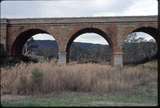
x: 82, y: 31
x: 16, y: 49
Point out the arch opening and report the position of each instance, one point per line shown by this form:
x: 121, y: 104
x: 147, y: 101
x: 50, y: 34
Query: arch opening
x: 35, y: 44
x: 141, y: 46
x: 89, y: 46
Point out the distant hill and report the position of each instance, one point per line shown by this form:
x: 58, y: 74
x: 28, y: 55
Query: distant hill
x: 87, y: 52
x: 47, y: 48
x: 45, y: 44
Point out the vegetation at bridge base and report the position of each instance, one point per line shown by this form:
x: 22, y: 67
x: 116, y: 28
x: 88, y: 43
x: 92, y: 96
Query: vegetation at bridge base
x: 3, y: 54
x: 139, y: 82
x: 134, y: 53
x: 6, y: 60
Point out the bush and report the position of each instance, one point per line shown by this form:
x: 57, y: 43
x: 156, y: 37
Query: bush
x: 37, y: 79
x: 23, y: 85
x: 48, y: 77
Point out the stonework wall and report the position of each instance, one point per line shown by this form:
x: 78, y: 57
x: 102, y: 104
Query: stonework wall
x: 3, y: 34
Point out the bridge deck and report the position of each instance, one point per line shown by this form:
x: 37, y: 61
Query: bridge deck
x: 81, y: 20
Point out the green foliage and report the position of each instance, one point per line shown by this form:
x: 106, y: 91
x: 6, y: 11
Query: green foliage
x: 139, y: 52
x: 86, y: 52
x: 3, y: 54
x: 37, y: 75
x: 136, y: 50
x: 2, y: 51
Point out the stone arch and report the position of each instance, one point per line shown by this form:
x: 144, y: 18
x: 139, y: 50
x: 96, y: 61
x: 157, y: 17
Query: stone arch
x: 16, y: 48
x: 148, y: 30
x: 87, y: 30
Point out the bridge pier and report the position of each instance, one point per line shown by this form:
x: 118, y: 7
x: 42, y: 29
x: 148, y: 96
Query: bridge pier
x: 62, y: 57
x: 3, y: 36
x: 117, y: 59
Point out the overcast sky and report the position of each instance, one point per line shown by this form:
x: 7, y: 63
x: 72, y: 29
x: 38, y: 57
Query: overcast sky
x: 77, y: 8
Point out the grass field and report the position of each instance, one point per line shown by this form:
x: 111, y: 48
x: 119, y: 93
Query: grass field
x: 48, y: 84
x: 81, y: 99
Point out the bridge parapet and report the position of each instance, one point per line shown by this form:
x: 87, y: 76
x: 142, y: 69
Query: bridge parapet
x: 121, y: 19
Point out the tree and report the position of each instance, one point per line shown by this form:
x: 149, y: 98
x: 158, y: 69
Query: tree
x: 133, y: 38
x: 27, y: 48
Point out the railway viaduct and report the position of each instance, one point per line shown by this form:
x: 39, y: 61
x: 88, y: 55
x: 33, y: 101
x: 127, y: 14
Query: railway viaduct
x: 15, y: 32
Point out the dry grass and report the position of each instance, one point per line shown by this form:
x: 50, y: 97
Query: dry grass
x: 48, y: 77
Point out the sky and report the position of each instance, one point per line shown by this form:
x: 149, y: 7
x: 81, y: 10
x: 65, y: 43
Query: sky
x: 91, y: 38
x: 78, y: 8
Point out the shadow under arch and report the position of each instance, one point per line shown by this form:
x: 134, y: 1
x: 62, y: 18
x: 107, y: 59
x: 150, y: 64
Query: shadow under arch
x: 16, y: 49
x: 86, y: 30
x: 153, y: 32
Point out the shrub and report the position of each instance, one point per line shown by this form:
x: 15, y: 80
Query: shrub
x: 37, y: 78
x: 48, y: 77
